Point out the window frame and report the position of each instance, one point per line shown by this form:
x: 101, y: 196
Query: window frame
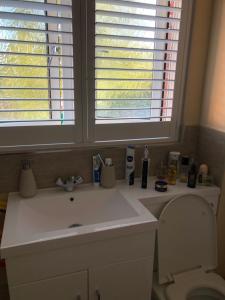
x: 42, y: 136
x: 145, y: 131
x: 84, y: 132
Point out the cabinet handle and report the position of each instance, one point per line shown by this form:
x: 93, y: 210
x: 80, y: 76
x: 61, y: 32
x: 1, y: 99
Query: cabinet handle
x: 98, y: 295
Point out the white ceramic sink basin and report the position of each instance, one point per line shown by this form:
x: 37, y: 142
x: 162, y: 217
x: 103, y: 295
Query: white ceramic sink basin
x: 54, y: 217
x: 70, y: 210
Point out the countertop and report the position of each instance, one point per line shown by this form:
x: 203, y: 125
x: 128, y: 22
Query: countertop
x: 15, y: 242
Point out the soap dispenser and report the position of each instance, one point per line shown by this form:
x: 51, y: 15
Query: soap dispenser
x: 27, y: 183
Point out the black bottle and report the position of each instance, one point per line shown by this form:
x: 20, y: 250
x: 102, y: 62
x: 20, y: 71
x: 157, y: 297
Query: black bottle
x: 145, y: 168
x: 192, y: 176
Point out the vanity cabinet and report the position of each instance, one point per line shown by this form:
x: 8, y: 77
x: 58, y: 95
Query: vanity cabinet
x: 128, y: 280
x: 68, y: 287
x: 118, y: 268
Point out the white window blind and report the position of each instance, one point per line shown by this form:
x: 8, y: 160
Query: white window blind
x: 87, y: 71
x: 37, y: 71
x: 137, y: 45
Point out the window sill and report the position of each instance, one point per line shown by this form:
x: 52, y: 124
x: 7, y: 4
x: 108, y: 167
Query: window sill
x: 94, y: 145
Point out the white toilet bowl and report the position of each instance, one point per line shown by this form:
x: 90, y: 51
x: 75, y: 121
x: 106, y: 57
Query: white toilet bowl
x: 205, y: 294
x: 209, y: 286
x: 196, y: 285
x: 186, y: 240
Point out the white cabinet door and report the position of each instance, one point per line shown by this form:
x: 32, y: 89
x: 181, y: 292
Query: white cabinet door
x: 67, y: 287
x: 130, y: 280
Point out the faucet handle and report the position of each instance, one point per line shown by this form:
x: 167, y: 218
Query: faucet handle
x: 70, y: 183
x: 59, y: 182
x: 78, y: 180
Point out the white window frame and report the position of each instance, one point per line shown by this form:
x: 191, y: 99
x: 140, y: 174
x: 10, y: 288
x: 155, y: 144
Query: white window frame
x: 85, y: 132
x: 39, y: 135
x: 143, y: 131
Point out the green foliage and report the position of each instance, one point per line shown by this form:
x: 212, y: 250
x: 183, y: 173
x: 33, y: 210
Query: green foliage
x: 128, y: 83
x: 31, y: 69
x: 111, y: 83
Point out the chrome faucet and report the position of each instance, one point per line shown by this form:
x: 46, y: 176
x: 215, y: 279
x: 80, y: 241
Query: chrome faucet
x: 70, y: 183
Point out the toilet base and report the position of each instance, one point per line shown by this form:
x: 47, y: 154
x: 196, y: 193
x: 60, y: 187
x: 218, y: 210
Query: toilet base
x: 158, y: 290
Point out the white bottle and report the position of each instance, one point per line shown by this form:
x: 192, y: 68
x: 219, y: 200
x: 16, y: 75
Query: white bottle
x: 27, y: 183
x: 130, y: 165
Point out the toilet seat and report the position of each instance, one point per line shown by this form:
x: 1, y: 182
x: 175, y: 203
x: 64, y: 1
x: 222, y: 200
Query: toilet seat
x: 186, y: 237
x: 187, y: 282
x: 187, y: 251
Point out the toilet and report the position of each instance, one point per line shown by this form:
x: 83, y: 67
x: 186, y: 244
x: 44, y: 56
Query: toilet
x: 187, y: 252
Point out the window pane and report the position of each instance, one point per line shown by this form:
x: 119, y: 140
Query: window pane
x: 135, y: 60
x: 36, y: 64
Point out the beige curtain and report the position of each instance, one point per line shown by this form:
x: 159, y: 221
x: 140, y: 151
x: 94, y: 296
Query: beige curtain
x: 221, y: 231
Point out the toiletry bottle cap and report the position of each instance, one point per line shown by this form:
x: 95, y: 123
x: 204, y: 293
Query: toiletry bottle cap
x: 204, y: 169
x: 185, y: 160
x: 108, y: 161
x: 26, y: 164
x: 146, y: 152
x: 174, y: 155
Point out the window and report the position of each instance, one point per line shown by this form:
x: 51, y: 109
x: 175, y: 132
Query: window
x: 91, y: 71
x: 138, y: 53
x: 37, y: 91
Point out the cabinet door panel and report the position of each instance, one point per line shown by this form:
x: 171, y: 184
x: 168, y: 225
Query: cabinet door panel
x: 130, y: 280
x: 67, y: 287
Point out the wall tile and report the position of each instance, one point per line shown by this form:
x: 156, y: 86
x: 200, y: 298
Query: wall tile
x: 48, y: 166
x: 211, y: 150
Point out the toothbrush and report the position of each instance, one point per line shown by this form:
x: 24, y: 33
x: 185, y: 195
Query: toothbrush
x: 101, y: 160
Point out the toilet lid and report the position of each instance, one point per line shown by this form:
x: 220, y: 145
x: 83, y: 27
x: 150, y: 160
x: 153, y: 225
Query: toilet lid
x: 186, y: 237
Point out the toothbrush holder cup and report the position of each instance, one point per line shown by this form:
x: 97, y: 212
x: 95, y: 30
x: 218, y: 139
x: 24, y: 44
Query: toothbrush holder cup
x: 108, y: 177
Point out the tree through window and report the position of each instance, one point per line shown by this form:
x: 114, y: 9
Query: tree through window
x: 36, y: 63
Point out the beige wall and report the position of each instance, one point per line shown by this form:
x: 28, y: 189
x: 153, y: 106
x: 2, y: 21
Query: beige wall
x: 213, y: 109
x: 197, y: 60
x: 193, y: 95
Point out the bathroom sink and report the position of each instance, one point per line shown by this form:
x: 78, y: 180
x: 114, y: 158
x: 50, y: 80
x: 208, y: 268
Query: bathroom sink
x: 56, y: 217
x: 71, y: 210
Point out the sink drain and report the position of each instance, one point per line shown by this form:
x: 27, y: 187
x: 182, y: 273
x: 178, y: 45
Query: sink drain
x: 74, y: 225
